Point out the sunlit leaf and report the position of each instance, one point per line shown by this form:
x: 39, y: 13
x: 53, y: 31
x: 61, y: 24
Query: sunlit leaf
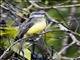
x: 11, y: 31
x: 25, y: 46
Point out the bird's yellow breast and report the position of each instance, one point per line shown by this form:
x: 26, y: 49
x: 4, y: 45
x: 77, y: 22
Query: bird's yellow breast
x: 37, y: 27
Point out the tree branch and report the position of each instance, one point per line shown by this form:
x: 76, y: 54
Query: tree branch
x: 7, y: 51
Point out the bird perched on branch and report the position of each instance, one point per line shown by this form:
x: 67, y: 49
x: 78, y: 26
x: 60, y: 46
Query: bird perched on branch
x: 36, y: 24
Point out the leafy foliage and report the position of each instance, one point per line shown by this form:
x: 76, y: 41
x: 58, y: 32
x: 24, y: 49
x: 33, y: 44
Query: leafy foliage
x: 15, y: 13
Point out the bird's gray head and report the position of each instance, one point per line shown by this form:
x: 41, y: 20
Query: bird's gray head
x: 36, y: 14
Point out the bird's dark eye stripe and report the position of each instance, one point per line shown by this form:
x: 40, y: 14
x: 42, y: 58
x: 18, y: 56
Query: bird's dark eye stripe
x: 38, y: 14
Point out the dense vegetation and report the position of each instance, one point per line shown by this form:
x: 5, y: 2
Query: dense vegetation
x: 60, y: 40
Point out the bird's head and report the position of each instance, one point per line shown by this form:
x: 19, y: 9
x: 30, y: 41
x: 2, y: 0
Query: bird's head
x: 37, y: 14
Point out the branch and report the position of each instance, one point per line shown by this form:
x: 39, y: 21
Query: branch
x: 65, y: 6
x: 62, y: 27
x: 13, y: 10
x: 7, y: 51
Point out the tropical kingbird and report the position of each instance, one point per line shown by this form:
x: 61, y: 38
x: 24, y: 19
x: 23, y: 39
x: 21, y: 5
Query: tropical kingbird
x: 35, y: 25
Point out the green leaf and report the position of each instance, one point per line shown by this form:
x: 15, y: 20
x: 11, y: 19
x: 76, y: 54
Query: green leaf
x: 54, y: 39
x: 25, y: 46
x: 54, y: 14
x: 10, y: 31
x: 72, y: 51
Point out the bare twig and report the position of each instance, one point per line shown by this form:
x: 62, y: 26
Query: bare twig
x: 66, y: 6
x: 56, y: 55
x: 37, y: 6
x: 63, y: 2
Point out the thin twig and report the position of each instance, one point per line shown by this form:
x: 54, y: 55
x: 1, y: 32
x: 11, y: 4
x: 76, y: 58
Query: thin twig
x: 66, y: 6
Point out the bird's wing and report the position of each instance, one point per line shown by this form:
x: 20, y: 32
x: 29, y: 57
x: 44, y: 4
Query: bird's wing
x: 23, y: 31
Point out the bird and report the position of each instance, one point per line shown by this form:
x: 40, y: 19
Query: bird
x: 36, y: 24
